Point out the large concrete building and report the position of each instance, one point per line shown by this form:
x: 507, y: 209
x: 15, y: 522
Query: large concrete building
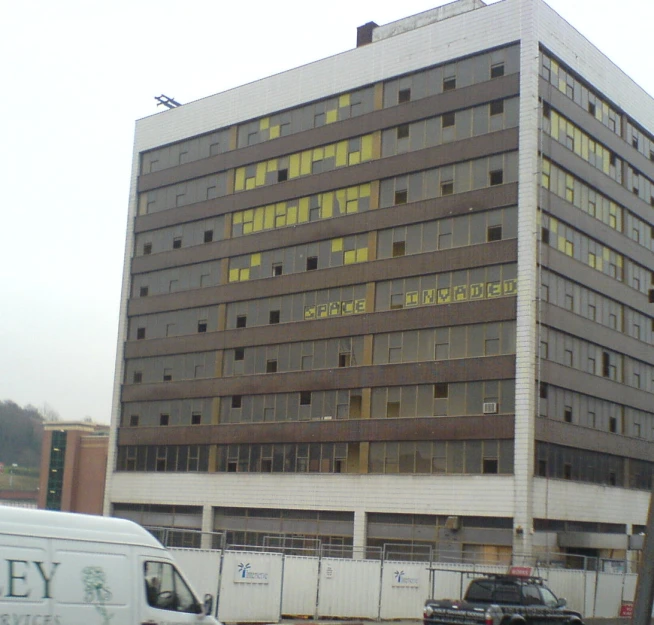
x: 399, y: 296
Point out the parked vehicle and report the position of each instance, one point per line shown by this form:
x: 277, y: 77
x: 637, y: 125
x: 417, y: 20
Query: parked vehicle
x: 502, y: 600
x: 58, y: 568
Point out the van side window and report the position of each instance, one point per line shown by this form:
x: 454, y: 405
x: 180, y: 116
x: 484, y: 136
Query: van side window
x: 166, y: 590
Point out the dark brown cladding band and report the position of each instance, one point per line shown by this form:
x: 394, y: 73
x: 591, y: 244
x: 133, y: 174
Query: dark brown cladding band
x: 459, y: 370
x: 346, y: 431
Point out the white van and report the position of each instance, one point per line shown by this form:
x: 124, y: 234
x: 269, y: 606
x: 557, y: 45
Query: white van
x: 58, y: 568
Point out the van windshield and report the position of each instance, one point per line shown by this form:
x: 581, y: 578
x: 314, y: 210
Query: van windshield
x: 166, y: 590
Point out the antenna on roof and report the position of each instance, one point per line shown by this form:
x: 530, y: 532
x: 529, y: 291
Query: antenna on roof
x: 171, y: 103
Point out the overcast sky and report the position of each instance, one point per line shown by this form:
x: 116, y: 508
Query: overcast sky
x: 75, y: 76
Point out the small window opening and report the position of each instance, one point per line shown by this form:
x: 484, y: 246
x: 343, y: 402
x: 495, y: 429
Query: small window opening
x: 490, y: 465
x: 497, y: 107
x: 305, y: 398
x: 196, y: 418
x: 613, y: 425
x: 282, y: 175
x: 344, y: 359
x: 441, y: 390
x: 592, y: 108
x: 404, y: 95
x: 277, y: 269
x: 271, y: 366
x: 567, y: 414
x: 449, y: 83
x: 202, y: 325
x: 497, y: 70
x: 496, y: 177
x: 143, y: 291
x: 137, y: 378
x: 273, y: 316
x: 494, y: 233
x: 448, y: 119
x: 133, y: 420
x: 399, y: 248
x: 312, y: 263
x: 401, y: 196
x: 168, y: 375
x: 164, y: 419
x: 447, y: 187
x: 140, y: 333
x: 545, y: 235
x: 403, y: 131
x: 241, y: 321
x: 177, y: 243
x: 237, y: 401
x: 208, y: 236
x: 239, y: 353
x: 147, y: 248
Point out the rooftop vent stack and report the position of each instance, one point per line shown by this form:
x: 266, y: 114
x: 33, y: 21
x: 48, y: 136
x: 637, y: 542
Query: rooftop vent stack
x: 364, y: 33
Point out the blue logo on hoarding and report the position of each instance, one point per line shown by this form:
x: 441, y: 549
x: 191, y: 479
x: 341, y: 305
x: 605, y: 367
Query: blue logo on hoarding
x: 244, y: 568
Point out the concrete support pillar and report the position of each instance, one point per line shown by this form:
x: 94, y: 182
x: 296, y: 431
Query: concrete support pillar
x: 207, y: 527
x: 359, y: 536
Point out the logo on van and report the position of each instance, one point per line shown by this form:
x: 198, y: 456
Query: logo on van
x: 96, y: 591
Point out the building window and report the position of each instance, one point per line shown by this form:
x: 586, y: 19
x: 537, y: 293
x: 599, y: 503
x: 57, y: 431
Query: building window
x: 196, y: 418
x: 567, y: 471
x: 591, y: 108
x: 305, y: 398
x: 568, y: 357
x: 404, y: 95
x: 277, y: 269
x: 403, y: 131
x: 137, y: 377
x: 202, y: 325
x: 147, y: 248
x: 494, y: 233
x: 344, y: 359
x: 312, y: 263
x: 164, y: 419
x: 401, y: 197
x: 143, y: 291
x: 497, y: 70
x: 208, y: 236
x: 282, y: 175
x: 168, y: 375
x: 448, y: 120
x: 542, y: 468
x: 497, y: 107
x: 447, y: 187
x: 545, y: 236
x: 613, y: 425
x: 490, y: 465
x: 393, y: 409
x: 449, y: 83
x: 133, y: 420
x: 177, y: 243
x: 496, y: 177
x: 441, y: 390
x: 273, y: 316
x: 140, y: 333
x: 271, y: 366
x: 399, y: 248
x: 239, y: 354
x: 237, y: 401
x: 241, y: 321
x: 567, y: 414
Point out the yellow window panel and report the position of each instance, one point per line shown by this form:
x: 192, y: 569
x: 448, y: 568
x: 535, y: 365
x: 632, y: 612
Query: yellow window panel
x: 303, y: 211
x: 309, y: 312
x: 411, y: 298
x: 561, y: 244
x: 344, y: 100
x: 568, y: 248
x: 330, y: 151
x: 545, y: 181
x: 606, y: 253
x: 347, y: 307
x: 510, y: 287
x: 322, y: 311
x: 352, y: 206
x: 606, y: 164
x: 554, y: 225
x: 429, y: 296
x: 460, y: 293
x: 305, y: 167
x: 271, y: 165
x: 248, y: 215
x: 352, y: 193
x: 350, y: 257
x: 354, y: 158
x: 294, y: 166
x: 238, y: 218
x: 359, y: 305
x: 291, y: 215
x: 269, y: 217
x: 331, y: 116
x: 327, y: 205
x: 255, y: 260
x: 274, y: 132
x: 444, y: 296
x: 619, y: 260
x: 337, y: 245
x: 591, y: 259
x: 584, y: 147
x: 599, y: 264
x: 547, y: 166
x: 477, y: 290
x: 233, y: 275
x: 260, y: 178
x: 318, y: 154
x: 366, y: 148
x: 264, y: 123
x: 493, y: 289
x: 578, y: 140
x: 364, y: 190
x: 244, y: 274
x: 334, y: 309
x: 247, y: 228
x: 239, y: 182
x: 258, y: 220
x: 280, y: 221
x: 280, y: 208
x: 249, y: 184
x: 362, y: 257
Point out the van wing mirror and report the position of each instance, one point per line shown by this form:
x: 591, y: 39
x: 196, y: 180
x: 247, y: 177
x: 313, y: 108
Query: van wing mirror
x: 208, y: 604
x: 561, y: 603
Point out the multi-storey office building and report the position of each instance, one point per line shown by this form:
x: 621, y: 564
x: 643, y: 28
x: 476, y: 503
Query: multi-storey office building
x: 399, y: 296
